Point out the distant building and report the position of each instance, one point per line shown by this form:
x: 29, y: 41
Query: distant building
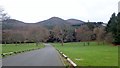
x: 118, y: 6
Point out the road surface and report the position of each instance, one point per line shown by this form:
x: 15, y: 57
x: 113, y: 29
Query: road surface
x: 47, y: 56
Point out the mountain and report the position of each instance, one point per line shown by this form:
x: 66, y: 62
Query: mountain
x: 75, y: 22
x: 50, y: 23
x: 12, y: 23
x: 16, y: 24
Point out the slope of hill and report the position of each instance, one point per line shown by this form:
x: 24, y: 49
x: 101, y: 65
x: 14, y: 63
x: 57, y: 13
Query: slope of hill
x: 12, y: 23
x: 50, y: 23
x: 75, y: 22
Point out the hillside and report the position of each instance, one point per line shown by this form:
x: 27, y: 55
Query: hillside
x: 12, y: 24
x: 49, y: 23
x: 75, y: 22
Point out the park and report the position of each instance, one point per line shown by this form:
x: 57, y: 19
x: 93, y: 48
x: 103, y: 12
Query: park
x: 60, y: 42
x: 88, y: 44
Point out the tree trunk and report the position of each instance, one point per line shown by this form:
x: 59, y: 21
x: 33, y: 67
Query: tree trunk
x: 98, y: 43
x: 84, y: 44
x: 16, y: 43
x: 36, y: 43
x: 62, y: 42
x: 5, y: 43
x: 24, y: 42
x: 40, y: 43
x: 19, y: 42
x: 88, y: 43
x: 103, y: 42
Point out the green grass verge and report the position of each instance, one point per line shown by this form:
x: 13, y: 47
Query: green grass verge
x: 0, y: 50
x: 92, y: 55
x: 19, y: 47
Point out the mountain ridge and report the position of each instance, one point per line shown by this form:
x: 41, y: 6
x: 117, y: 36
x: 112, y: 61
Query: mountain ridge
x: 48, y: 23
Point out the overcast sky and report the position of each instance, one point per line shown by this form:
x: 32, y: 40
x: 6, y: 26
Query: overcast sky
x: 37, y: 10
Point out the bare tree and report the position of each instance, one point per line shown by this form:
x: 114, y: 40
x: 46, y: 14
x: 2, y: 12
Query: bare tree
x: 109, y: 37
x: 16, y: 36
x: 58, y: 33
x: 5, y: 36
x: 0, y: 33
x: 62, y: 33
x: 100, y: 34
x: 39, y: 34
x: 84, y: 34
x: 3, y: 15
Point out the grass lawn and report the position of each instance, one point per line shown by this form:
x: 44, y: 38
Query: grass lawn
x: 92, y: 55
x: 20, y: 47
x: 0, y: 50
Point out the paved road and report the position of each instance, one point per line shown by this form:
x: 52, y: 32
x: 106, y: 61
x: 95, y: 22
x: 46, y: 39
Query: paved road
x: 47, y: 56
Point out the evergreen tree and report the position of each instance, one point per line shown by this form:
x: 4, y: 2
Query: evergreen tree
x: 113, y: 27
x: 117, y: 33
